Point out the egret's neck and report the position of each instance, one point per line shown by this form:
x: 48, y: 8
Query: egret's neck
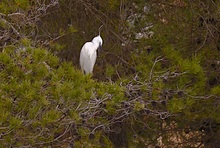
x: 96, y: 44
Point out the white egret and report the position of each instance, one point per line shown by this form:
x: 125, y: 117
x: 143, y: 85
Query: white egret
x: 88, y: 54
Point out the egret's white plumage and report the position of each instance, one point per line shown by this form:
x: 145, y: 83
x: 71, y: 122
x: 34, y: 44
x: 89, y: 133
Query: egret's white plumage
x: 88, y: 54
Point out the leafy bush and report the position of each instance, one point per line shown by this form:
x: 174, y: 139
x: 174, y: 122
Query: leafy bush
x: 44, y: 101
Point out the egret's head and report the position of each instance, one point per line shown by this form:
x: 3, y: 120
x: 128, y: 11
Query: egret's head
x: 99, y: 41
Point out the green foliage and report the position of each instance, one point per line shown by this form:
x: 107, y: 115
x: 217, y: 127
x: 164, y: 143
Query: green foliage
x: 50, y: 117
x: 191, y: 69
x: 110, y: 71
x: 139, y: 106
x: 26, y: 42
x: 39, y: 92
x: 8, y: 6
x: 216, y: 90
x: 15, y: 122
x: 22, y: 3
x: 113, y: 4
x: 72, y: 29
x: 177, y: 105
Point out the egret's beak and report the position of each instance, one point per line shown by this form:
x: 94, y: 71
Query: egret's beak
x: 99, y: 49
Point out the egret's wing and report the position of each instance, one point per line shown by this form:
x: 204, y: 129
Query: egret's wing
x: 92, y: 52
x: 93, y: 57
x: 81, y: 61
x: 86, y: 58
